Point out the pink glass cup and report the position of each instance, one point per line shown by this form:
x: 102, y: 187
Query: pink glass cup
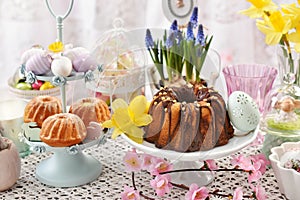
x: 254, y: 79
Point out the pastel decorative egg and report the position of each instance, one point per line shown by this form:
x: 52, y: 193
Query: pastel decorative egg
x: 39, y: 64
x: 30, y: 52
x: 76, y: 52
x: 61, y: 66
x: 243, y: 111
x: 84, y: 63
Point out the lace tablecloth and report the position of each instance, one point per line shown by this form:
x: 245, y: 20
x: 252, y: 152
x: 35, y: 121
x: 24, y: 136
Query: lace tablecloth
x: 111, y: 182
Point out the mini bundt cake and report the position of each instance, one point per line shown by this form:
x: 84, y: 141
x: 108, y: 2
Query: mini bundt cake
x: 41, y: 107
x: 63, y: 130
x: 91, y: 109
x: 188, y: 119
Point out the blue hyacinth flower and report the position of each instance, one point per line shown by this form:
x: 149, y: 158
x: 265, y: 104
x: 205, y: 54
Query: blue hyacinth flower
x: 200, y: 36
x: 174, y: 26
x: 189, y: 32
x: 178, y: 36
x: 149, y: 40
x: 170, y: 41
x: 194, y: 17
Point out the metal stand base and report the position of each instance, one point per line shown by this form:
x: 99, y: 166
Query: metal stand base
x: 65, y: 170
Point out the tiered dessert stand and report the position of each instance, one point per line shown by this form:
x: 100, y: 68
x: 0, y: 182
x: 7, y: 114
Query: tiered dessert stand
x: 68, y: 166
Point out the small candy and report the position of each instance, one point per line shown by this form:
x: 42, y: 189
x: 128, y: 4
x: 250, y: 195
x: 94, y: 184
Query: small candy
x: 47, y: 85
x: 23, y: 86
x: 37, y: 85
x: 61, y: 66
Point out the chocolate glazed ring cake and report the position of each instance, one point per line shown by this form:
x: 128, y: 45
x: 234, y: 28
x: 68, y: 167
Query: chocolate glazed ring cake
x: 188, y: 119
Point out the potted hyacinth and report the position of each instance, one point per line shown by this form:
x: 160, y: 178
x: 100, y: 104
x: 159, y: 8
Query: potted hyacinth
x: 180, y: 51
x: 10, y: 163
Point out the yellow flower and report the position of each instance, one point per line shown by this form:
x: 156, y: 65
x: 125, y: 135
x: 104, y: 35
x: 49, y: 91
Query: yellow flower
x: 138, y: 109
x: 56, y: 47
x: 128, y: 119
x: 274, y: 27
x: 259, y: 7
x: 295, y: 37
x: 292, y: 11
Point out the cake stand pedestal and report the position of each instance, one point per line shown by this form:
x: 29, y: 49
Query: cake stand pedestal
x: 187, y: 178
x: 65, y: 170
x: 67, y: 166
x: 194, y: 160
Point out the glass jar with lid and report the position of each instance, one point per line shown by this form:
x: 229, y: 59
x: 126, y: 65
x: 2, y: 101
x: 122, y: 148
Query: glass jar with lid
x: 282, y: 121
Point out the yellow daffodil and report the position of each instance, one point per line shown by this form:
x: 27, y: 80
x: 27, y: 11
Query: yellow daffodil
x: 295, y: 38
x: 274, y: 27
x: 292, y: 11
x: 56, y: 47
x: 128, y: 119
x: 259, y: 7
x: 138, y: 109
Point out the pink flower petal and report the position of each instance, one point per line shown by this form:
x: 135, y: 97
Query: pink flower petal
x: 238, y: 194
x: 161, y: 184
x: 132, y: 161
x: 130, y: 194
x: 211, y: 164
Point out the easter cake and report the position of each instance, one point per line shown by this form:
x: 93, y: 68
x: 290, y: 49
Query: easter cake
x: 188, y: 119
x: 91, y: 109
x: 62, y: 130
x: 40, y: 108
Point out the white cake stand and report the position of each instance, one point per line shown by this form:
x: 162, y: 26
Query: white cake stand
x: 194, y: 160
x: 68, y: 166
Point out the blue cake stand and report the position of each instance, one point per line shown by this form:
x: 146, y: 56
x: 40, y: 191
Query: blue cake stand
x: 67, y: 166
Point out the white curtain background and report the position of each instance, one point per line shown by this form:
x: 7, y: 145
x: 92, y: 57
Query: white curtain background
x: 24, y: 23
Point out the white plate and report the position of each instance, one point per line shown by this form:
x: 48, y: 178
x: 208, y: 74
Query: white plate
x: 235, y: 144
x: 181, y: 14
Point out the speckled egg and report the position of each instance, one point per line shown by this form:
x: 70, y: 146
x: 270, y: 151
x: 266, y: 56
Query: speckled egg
x: 39, y: 64
x: 243, y: 111
x: 84, y: 63
x: 61, y: 66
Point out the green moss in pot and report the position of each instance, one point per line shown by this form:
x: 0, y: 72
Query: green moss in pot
x: 10, y: 163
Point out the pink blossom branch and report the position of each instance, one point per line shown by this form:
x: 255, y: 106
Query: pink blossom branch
x: 230, y: 196
x: 135, y: 188
x: 182, y: 186
x: 197, y: 170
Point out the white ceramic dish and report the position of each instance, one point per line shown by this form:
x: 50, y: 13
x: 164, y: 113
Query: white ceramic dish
x: 288, y: 179
x: 29, y: 94
x: 236, y: 143
x: 192, y: 160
